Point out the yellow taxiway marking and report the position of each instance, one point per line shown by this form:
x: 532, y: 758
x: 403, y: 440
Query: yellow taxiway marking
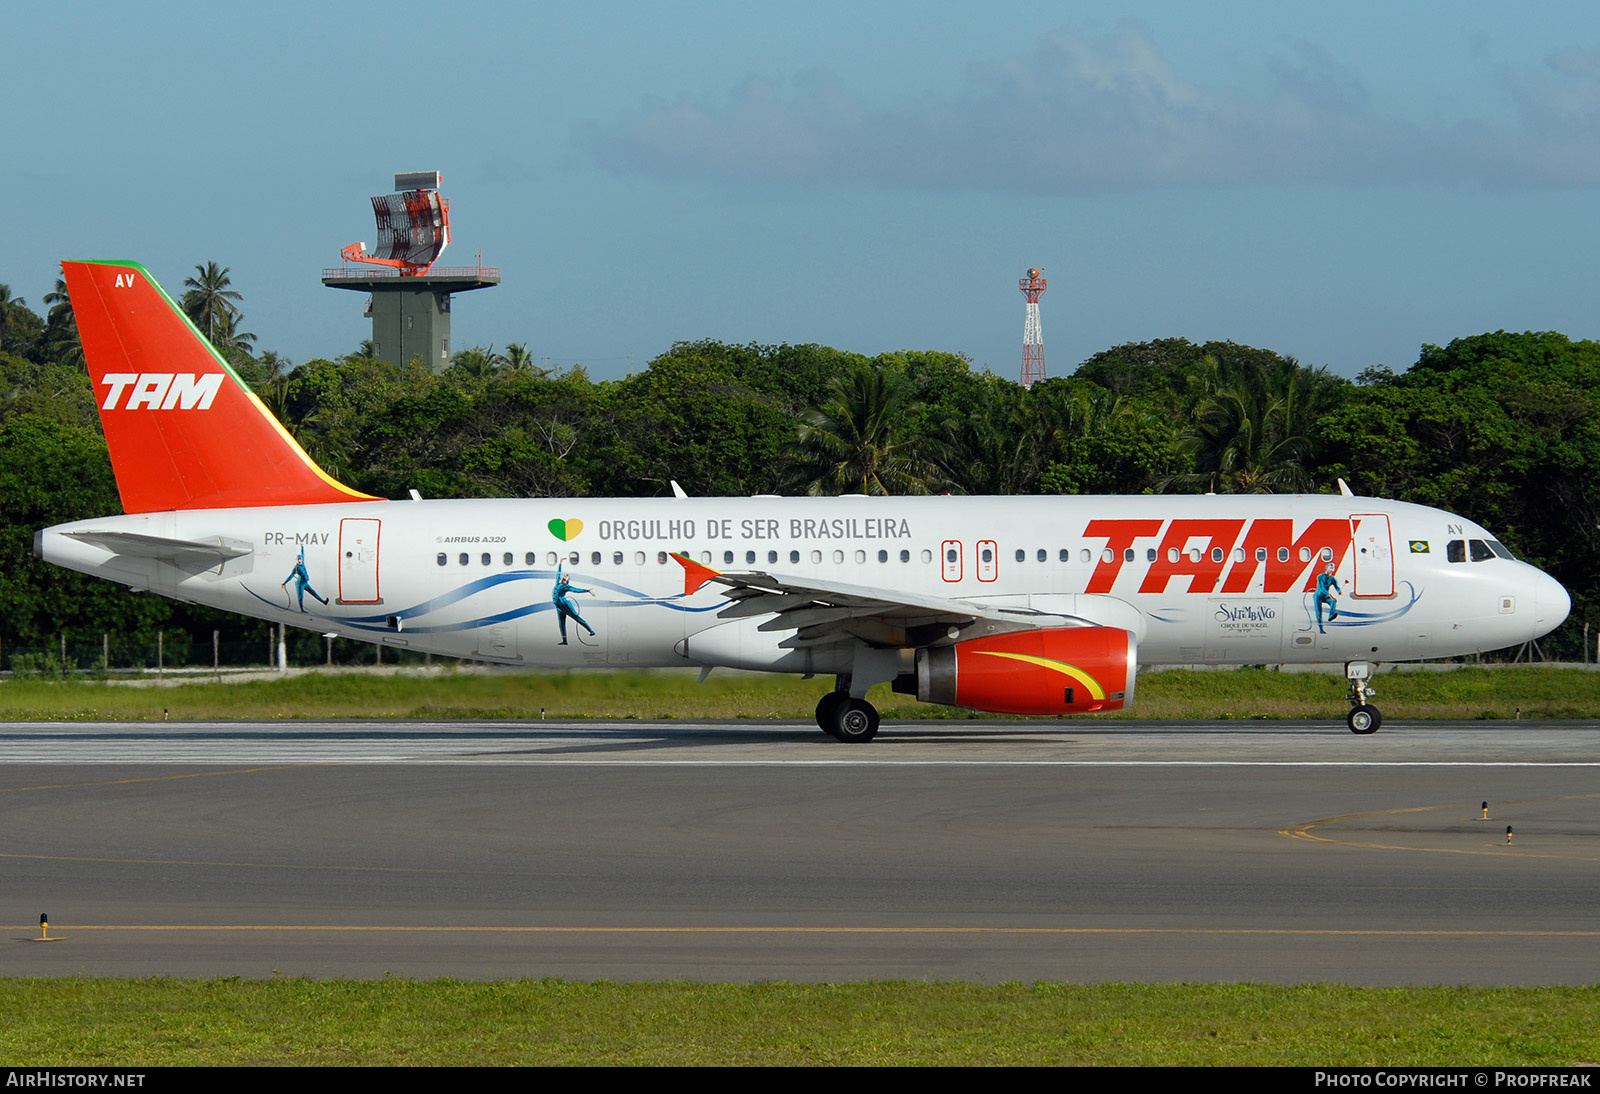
x: 161, y: 778
x: 1304, y: 831
x: 534, y: 929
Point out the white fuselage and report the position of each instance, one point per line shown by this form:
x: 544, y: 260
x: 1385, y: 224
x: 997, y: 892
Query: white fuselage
x: 1218, y: 579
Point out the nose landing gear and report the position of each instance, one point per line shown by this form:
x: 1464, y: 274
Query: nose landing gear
x: 1364, y: 718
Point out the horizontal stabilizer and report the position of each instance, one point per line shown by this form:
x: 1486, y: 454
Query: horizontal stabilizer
x: 186, y: 554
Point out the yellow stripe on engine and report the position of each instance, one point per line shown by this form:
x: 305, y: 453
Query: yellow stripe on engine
x: 1055, y: 666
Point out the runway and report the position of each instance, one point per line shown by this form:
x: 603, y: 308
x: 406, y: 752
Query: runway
x: 1087, y: 851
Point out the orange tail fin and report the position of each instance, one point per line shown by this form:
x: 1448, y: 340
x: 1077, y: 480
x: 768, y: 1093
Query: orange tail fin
x: 184, y: 431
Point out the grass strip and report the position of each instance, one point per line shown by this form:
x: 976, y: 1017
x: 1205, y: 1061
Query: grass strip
x: 1468, y: 693
x: 133, y: 1023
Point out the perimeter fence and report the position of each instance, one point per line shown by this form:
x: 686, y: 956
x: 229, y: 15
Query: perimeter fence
x: 180, y: 652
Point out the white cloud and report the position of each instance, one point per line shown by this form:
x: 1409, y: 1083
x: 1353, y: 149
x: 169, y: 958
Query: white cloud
x: 1078, y: 114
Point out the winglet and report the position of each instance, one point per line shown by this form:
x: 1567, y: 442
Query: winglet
x: 694, y: 574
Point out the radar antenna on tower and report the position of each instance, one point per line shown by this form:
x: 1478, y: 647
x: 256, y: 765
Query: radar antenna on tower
x: 410, y: 301
x: 1032, y: 287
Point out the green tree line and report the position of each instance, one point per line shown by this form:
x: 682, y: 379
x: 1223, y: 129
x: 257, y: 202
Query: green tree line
x: 1500, y: 428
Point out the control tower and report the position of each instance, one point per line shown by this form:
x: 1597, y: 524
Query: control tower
x: 410, y: 301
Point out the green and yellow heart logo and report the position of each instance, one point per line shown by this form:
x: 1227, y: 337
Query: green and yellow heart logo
x: 566, y: 529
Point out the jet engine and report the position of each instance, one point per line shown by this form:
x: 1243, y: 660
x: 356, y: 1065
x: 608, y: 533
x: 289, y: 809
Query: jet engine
x: 1057, y: 670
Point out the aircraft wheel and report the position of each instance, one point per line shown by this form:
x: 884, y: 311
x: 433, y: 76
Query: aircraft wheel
x: 1364, y: 719
x: 828, y: 711
x: 855, y: 720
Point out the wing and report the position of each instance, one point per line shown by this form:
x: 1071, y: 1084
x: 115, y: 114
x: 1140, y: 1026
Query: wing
x: 821, y: 612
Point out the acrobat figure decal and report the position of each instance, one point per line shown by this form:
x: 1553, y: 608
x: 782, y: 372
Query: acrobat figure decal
x: 564, y: 606
x: 1326, y: 581
x: 302, y: 581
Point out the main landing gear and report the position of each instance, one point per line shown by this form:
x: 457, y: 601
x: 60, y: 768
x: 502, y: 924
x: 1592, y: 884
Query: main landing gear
x: 1364, y: 717
x: 846, y: 719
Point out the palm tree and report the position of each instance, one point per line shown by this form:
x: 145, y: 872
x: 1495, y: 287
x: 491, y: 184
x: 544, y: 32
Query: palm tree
x: 209, y: 298
x: 856, y: 442
x: 517, y: 358
x: 476, y: 362
x: 229, y: 340
x: 1252, y: 433
x: 7, y: 302
x: 59, y: 302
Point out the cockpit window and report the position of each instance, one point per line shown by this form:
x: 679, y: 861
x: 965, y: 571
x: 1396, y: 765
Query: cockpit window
x: 1457, y: 551
x: 1480, y: 550
x: 1499, y: 548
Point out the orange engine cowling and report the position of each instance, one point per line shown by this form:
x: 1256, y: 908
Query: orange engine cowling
x: 1061, y: 670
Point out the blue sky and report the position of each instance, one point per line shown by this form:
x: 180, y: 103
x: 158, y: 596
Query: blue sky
x: 1341, y: 183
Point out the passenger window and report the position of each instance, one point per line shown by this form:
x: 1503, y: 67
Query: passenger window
x: 927, y: 555
x: 551, y: 558
x: 1172, y: 554
x: 883, y: 556
x: 506, y: 559
x: 1216, y: 554
x: 1305, y: 554
x: 988, y: 555
x: 727, y: 558
x: 1480, y: 550
x: 1150, y: 554
x: 1107, y: 556
x: 485, y: 558
x: 594, y: 559
x: 905, y: 556
x: 772, y: 557
x: 861, y: 556
x: 1283, y: 554
x: 661, y: 558
x: 616, y: 558
x: 794, y: 557
x: 443, y: 558
x: 1022, y: 556
x: 749, y: 558
x: 572, y: 559
x: 1261, y: 554
x: 638, y: 558
x: 463, y: 558
x: 1065, y: 554
x: 1084, y: 554
x: 1457, y: 551
x: 838, y: 556
x: 1327, y: 554
x: 950, y: 555
x: 1194, y: 554
x: 1043, y: 554
x: 1127, y: 555
x: 527, y: 559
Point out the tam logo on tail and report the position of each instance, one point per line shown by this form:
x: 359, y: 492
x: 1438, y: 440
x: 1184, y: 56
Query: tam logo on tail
x: 145, y: 355
x: 161, y: 390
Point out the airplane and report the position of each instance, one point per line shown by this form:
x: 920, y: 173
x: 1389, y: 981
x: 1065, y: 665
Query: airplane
x: 1018, y: 605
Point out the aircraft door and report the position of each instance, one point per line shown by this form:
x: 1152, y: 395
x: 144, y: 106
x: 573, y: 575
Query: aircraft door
x: 1374, y: 555
x: 988, y: 560
x: 358, y: 561
x: 950, y: 554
